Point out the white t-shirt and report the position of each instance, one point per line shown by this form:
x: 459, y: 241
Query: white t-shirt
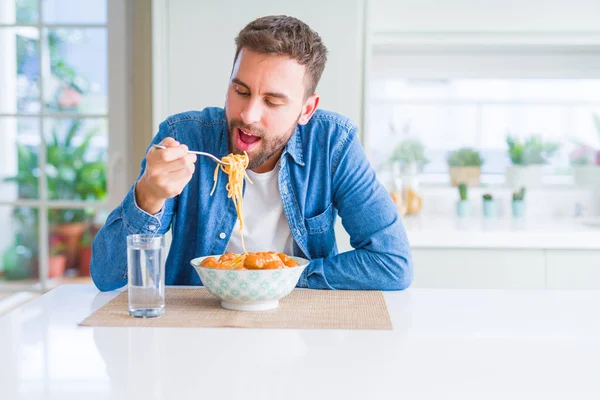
x: 265, y: 225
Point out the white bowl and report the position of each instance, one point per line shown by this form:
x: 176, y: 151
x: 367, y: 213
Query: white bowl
x: 249, y: 290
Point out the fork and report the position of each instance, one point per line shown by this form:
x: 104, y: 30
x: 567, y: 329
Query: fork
x: 160, y: 146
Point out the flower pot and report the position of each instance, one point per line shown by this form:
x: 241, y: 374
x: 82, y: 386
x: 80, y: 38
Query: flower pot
x: 71, y: 234
x: 57, y: 265
x: 587, y: 176
x: 85, y: 258
x: 490, y: 208
x: 469, y: 175
x: 518, y: 208
x: 529, y: 176
x: 463, y: 208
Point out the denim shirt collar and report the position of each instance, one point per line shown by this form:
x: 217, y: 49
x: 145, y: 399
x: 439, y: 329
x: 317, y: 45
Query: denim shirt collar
x: 294, y: 147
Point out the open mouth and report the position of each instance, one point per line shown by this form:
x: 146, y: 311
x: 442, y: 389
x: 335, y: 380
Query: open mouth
x: 245, y: 139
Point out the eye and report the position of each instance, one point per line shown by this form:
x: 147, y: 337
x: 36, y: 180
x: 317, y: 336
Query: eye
x: 238, y: 91
x: 270, y: 104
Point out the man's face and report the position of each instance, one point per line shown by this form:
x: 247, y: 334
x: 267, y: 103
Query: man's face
x: 264, y: 103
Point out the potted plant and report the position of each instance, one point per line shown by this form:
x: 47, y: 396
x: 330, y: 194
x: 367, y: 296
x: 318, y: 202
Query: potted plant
x: 465, y: 166
x: 527, y: 158
x: 462, y: 206
x: 518, y: 203
x: 490, y: 210
x: 74, y: 171
x: 85, y: 252
x: 409, y: 155
x: 585, y: 162
x: 57, y: 261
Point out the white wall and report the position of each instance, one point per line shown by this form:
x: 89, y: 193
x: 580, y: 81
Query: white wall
x: 197, y: 40
x: 538, y: 16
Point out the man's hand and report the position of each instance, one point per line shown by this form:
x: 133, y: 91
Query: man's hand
x: 166, y: 174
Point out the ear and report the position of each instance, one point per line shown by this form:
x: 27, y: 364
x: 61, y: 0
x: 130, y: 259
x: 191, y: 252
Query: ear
x: 308, y: 109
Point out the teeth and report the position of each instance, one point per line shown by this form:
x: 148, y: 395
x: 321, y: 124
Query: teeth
x: 246, y: 132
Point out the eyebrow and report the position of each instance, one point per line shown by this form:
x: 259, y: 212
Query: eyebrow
x: 269, y: 94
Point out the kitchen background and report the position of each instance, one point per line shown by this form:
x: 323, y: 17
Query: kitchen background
x: 481, y: 118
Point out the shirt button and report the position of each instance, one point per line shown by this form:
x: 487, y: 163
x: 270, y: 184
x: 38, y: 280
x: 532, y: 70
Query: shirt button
x: 152, y: 227
x: 222, y: 235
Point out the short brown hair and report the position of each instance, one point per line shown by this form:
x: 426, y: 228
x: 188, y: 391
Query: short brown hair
x: 283, y: 35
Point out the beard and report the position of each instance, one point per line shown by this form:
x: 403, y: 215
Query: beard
x: 266, y: 148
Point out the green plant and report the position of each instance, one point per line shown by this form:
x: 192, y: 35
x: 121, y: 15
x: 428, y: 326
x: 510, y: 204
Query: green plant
x: 533, y: 151
x: 464, y: 157
x: 410, y: 151
x: 462, y: 190
x: 86, y: 239
x: 519, y: 194
x: 57, y: 246
x: 73, y: 172
x: 487, y: 197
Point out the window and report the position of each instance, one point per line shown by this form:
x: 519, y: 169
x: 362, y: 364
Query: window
x: 452, y: 98
x: 54, y: 132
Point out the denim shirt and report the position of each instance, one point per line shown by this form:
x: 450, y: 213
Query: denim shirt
x: 323, y: 174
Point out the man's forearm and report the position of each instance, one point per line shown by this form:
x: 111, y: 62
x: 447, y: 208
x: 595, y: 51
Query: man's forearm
x: 359, y: 270
x: 145, y: 201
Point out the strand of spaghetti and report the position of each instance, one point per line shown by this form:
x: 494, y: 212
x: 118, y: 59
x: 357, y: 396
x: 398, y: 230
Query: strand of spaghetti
x: 236, y: 170
x: 215, y: 178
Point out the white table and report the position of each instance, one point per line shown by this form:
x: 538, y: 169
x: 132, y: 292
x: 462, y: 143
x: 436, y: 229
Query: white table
x: 446, y: 344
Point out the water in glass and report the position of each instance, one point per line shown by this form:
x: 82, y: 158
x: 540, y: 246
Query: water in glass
x: 146, y: 273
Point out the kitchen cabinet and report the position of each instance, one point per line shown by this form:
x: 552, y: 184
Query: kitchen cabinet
x: 479, y: 268
x: 573, y: 269
x: 507, y: 269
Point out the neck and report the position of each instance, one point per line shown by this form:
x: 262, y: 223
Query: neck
x: 268, y: 165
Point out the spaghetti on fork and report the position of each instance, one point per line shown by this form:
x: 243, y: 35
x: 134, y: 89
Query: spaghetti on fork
x: 236, y: 170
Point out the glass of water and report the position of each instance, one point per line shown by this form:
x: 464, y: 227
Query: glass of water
x: 146, y: 275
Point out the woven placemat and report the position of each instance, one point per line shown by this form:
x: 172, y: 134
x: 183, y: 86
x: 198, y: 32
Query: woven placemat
x: 301, y: 309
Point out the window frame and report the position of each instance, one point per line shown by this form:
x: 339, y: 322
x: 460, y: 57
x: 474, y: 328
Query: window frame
x: 118, y: 116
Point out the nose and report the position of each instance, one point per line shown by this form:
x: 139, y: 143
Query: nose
x: 251, y: 114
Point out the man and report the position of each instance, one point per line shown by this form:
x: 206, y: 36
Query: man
x: 306, y: 165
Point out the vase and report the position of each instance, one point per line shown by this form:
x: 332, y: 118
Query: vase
x: 71, y: 234
x: 469, y: 175
x: 85, y: 258
x: 462, y: 208
x: 57, y: 265
x: 518, y: 208
x: 490, y: 209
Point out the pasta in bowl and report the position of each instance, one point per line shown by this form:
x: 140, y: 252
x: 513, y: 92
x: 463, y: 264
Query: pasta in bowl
x: 252, y: 281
